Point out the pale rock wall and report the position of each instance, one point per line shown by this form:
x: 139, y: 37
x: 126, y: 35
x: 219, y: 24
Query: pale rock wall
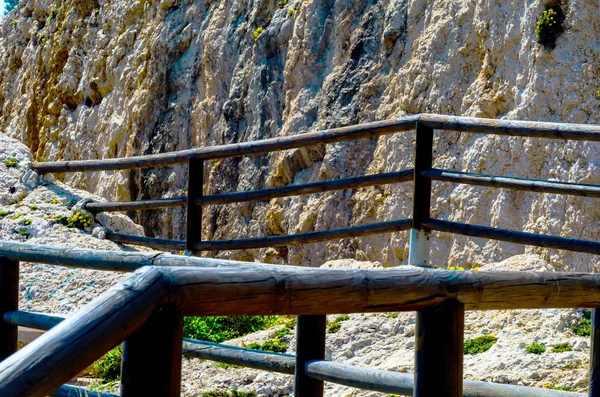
x: 83, y: 79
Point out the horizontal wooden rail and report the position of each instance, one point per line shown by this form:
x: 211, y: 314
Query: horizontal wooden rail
x: 511, y: 236
x: 348, y: 375
x: 309, y: 188
x: 51, y: 360
x: 368, y: 130
x: 170, y: 202
x: 532, y: 129
x: 268, y: 290
x: 72, y: 391
x: 270, y: 241
x: 532, y: 185
x: 152, y: 242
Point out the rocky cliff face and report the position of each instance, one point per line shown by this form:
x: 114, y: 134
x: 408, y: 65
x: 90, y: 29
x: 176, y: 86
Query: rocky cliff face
x: 84, y: 79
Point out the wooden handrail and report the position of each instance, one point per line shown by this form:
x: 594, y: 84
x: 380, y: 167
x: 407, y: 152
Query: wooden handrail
x: 67, y: 349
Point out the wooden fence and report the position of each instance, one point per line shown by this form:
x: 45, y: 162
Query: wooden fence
x: 146, y: 310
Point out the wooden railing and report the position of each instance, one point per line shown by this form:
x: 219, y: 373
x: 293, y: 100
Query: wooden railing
x: 146, y: 310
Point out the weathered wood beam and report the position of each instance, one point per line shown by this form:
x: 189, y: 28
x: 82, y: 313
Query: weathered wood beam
x: 266, y: 290
x: 439, y: 350
x: 310, y: 346
x: 54, y: 358
x: 161, y: 363
x: 193, y: 233
x: 504, y: 182
x: 152, y: 242
x: 368, y: 130
x: 305, y: 238
x: 9, y: 301
x: 539, y: 240
x: 533, y: 129
x: 169, y: 202
x: 308, y: 188
x: 72, y: 391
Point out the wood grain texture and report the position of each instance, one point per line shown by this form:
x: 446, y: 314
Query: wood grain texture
x: 154, y: 371
x: 368, y: 130
x: 594, y: 376
x: 152, y: 242
x: 533, y: 129
x: 310, y: 346
x: 305, y: 238
x: 71, y: 391
x: 539, y: 240
x: 170, y: 202
x: 33, y: 320
x: 422, y: 185
x: 275, y: 290
x: 504, y: 182
x: 439, y: 353
x: 308, y: 188
x: 54, y: 358
x: 9, y: 301
x: 194, y: 212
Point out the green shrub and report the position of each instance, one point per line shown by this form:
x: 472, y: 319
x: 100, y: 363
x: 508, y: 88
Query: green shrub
x: 10, y: 162
x: 480, y: 344
x: 54, y: 201
x: 598, y: 95
x: 335, y: 325
x: 15, y: 23
x: 562, y: 347
x: 41, y: 38
x: 4, y: 213
x: 80, y: 220
x: 23, y: 232
x: 219, y: 328
x: 108, y: 367
x: 17, y: 216
x: 257, y: 32
x: 536, y: 348
x: 33, y: 207
x: 273, y: 345
x: 585, y: 324
x: 291, y: 11
x: 26, y: 222
x: 53, y: 13
x: 549, y: 26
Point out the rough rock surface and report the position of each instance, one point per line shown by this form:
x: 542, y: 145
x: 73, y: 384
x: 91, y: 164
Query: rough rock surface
x: 33, y: 214
x: 86, y: 79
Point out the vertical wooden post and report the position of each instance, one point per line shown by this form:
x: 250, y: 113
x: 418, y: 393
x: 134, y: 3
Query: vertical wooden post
x: 439, y: 351
x: 418, y: 253
x: 310, y: 345
x: 594, y: 386
x: 194, y: 211
x: 9, y: 301
x: 151, y: 363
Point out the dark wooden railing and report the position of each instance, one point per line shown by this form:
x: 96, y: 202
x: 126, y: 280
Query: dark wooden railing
x: 146, y: 310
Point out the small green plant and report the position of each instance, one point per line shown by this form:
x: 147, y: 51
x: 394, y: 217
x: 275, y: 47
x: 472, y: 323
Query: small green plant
x: 41, y: 38
x: 562, y: 347
x: 233, y: 393
x: 17, y: 216
x: 80, y: 220
x: 227, y: 366
x: 53, y: 13
x: 598, y: 95
x: 536, y: 348
x: 335, y: 325
x: 480, y: 344
x: 220, y: 328
x: 563, y: 388
x: 291, y: 12
x: 4, y: 213
x: 15, y: 23
x: 585, y: 324
x: 23, y: 232
x: 273, y: 345
x: 108, y: 368
x: 257, y: 32
x: 26, y: 222
x: 10, y: 162
x: 54, y: 201
x: 33, y: 207
x: 63, y: 220
x: 393, y: 315
x: 549, y: 26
